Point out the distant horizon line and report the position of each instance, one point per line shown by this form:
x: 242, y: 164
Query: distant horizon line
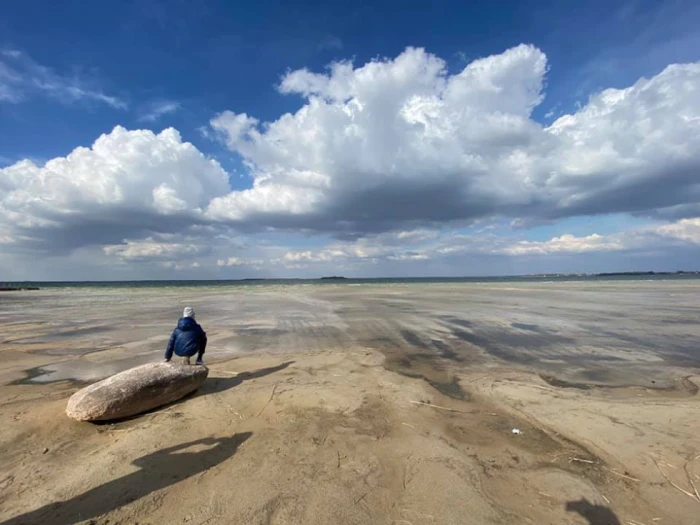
x: 339, y: 277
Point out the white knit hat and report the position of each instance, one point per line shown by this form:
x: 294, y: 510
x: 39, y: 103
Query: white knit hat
x: 188, y: 312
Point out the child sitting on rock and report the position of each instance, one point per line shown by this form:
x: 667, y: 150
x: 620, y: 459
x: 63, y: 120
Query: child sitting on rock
x: 187, y: 339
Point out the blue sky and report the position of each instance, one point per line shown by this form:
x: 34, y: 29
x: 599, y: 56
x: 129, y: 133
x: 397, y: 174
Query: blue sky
x: 72, y: 73
x: 212, y: 56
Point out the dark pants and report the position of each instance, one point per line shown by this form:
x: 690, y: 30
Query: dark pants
x: 190, y: 353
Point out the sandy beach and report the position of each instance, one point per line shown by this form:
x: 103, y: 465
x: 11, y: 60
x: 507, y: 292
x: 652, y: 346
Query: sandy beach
x: 368, y: 404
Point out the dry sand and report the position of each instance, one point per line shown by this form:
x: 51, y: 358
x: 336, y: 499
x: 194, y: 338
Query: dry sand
x: 371, y: 404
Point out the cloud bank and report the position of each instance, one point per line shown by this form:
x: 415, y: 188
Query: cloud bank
x: 404, y: 142
x: 128, y: 185
x: 391, y: 160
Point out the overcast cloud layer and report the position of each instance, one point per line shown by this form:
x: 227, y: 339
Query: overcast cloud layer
x: 390, y: 160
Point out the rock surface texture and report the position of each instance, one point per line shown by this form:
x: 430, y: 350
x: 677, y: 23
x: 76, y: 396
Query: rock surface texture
x: 134, y: 391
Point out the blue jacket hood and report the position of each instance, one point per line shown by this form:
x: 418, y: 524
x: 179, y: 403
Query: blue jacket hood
x: 187, y: 324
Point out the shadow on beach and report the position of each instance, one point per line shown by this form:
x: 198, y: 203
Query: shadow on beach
x: 595, y: 514
x: 157, y: 471
x: 214, y: 385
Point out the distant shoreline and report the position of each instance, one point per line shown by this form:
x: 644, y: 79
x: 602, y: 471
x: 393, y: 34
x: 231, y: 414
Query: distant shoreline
x: 338, y: 280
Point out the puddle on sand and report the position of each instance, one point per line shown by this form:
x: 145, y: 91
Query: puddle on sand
x: 426, y: 367
x: 605, y: 380
x: 456, y: 321
x: 526, y: 326
x: 85, y: 371
x: 413, y: 339
x: 450, y: 389
x: 71, y: 351
x: 82, y: 371
x: 61, y: 336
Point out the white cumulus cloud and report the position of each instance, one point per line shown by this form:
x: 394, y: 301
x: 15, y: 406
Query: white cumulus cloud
x: 393, y: 159
x: 152, y: 250
x: 687, y: 230
x: 567, y: 243
x: 129, y: 184
x: 402, y: 142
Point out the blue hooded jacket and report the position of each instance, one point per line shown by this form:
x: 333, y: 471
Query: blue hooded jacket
x: 187, y: 339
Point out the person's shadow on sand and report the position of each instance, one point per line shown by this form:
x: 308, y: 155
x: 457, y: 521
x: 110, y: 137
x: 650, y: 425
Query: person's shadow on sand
x: 595, y: 514
x: 158, y: 470
x: 214, y: 385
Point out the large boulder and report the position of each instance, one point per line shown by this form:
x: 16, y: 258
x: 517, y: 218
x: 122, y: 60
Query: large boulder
x: 134, y: 391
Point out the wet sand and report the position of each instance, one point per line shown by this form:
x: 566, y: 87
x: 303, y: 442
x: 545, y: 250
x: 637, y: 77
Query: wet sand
x: 362, y: 404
